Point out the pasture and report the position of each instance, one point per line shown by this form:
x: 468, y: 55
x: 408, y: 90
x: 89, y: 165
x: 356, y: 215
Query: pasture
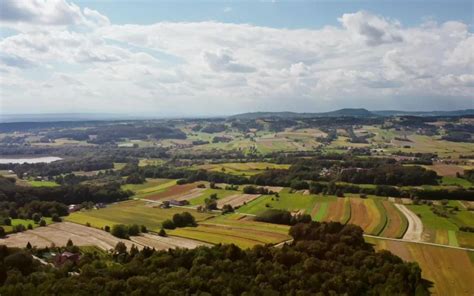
x: 294, y: 202
x: 245, y: 169
x: 445, y: 230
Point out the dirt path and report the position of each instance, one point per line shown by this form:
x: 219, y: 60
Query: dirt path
x: 415, y: 226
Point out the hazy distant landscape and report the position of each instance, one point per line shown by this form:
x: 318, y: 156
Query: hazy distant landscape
x: 236, y: 148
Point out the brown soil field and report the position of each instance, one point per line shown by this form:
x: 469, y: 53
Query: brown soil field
x: 359, y: 213
x: 394, y: 220
x: 335, y: 210
x: 236, y: 200
x: 173, y: 192
x: 450, y: 270
x: 445, y: 169
x: 191, y: 194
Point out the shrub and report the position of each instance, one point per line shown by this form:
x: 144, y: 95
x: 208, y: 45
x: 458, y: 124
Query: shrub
x: 162, y: 232
x: 56, y: 218
x: 42, y: 223
x: 168, y: 224
x: 107, y: 228
x: 120, y: 231
x: 134, y: 230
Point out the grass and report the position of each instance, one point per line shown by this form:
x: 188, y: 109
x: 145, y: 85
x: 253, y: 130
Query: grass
x: 383, y: 221
x: 131, y: 212
x: 43, y: 183
x: 322, y: 211
x: 450, y: 181
x: 25, y: 222
x: 286, y: 201
x: 431, y: 220
x: 237, y: 168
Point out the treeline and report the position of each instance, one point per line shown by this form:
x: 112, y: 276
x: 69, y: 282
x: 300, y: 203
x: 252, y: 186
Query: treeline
x: 359, y: 171
x: 390, y: 175
x: 325, y: 258
x: 60, y: 167
x: 76, y: 194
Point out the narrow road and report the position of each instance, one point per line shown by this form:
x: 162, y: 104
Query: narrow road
x: 415, y: 226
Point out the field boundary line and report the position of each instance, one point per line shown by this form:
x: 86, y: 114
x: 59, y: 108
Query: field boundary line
x: 419, y: 242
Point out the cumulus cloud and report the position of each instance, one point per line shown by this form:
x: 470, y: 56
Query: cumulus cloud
x: 215, y: 68
x: 222, y: 60
x: 372, y: 29
x: 28, y: 14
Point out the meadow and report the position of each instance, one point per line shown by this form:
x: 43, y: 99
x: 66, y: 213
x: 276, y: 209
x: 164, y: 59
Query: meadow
x: 445, y: 230
x: 131, y: 212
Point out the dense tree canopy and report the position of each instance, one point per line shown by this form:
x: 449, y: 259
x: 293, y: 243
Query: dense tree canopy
x: 327, y: 258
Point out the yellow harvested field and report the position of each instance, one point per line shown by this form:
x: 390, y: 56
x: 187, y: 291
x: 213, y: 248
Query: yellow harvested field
x: 236, y: 200
x: 450, y: 270
x: 59, y: 233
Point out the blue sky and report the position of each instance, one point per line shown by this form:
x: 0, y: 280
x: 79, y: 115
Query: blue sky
x: 279, y: 14
x: 186, y: 58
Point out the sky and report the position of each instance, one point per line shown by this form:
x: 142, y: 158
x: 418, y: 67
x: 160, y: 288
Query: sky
x: 197, y: 58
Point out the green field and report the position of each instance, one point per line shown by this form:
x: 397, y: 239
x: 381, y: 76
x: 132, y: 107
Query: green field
x: 131, y: 212
x: 152, y: 186
x: 456, y: 181
x: 237, y: 168
x: 43, y: 183
x: 25, y: 223
x: 287, y: 201
x: 446, y: 230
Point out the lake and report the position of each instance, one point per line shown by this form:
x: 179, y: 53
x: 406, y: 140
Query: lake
x: 44, y: 159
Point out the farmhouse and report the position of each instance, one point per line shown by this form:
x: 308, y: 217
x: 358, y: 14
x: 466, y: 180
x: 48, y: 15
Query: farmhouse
x: 178, y: 202
x: 73, y: 208
x: 66, y: 256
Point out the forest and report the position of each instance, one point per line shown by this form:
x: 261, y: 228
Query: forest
x: 326, y: 258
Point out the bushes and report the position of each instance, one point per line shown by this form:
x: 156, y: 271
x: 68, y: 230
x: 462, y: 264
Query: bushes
x: 179, y: 220
x: 184, y: 219
x: 168, y: 224
x: 124, y: 231
x: 282, y: 217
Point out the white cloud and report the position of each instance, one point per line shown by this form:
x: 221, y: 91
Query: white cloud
x: 29, y: 14
x: 372, y: 29
x: 214, y: 68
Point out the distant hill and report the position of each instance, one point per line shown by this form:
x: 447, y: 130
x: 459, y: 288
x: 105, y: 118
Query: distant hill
x: 424, y: 113
x: 351, y: 112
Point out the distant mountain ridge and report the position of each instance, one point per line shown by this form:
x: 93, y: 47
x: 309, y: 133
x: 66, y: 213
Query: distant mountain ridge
x: 351, y: 112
